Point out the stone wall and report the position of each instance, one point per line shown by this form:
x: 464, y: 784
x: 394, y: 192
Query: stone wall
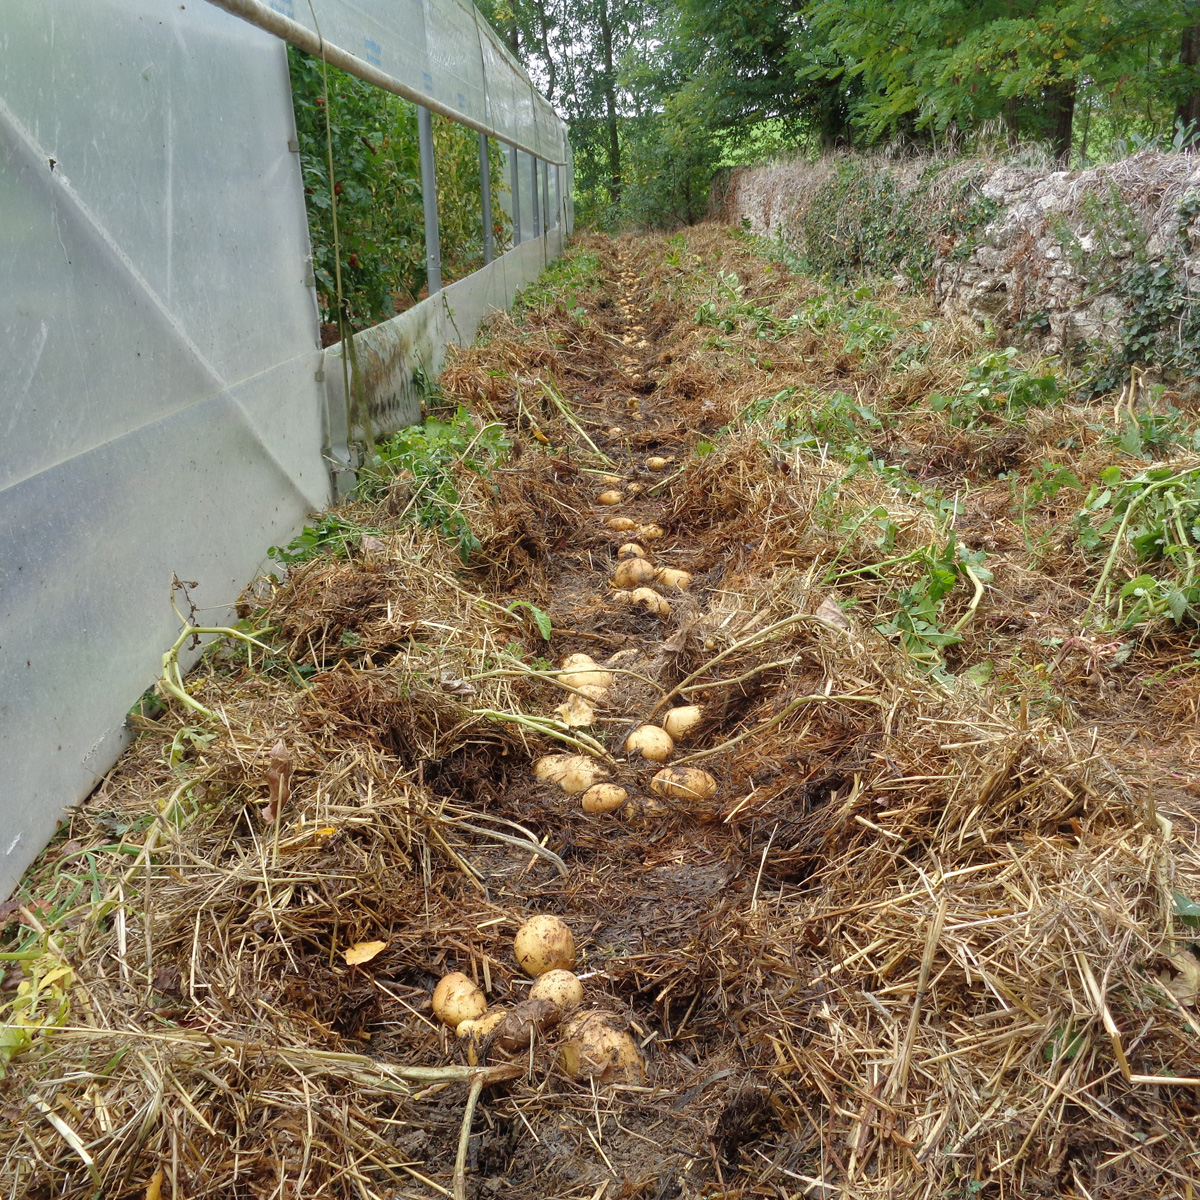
x: 1048, y: 263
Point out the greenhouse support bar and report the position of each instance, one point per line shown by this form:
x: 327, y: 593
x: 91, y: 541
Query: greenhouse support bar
x: 433, y: 241
x: 485, y: 199
x: 297, y: 35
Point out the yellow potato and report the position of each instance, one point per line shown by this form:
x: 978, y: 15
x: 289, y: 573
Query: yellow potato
x: 544, y: 943
x: 668, y: 577
x: 631, y: 550
x: 574, y: 773
x: 621, y: 524
x: 656, y: 463
x: 650, y: 742
x: 477, y: 1031
x: 633, y: 572
x: 633, y: 489
x: 650, y: 532
x: 609, y: 497
x: 603, y: 797
x: 582, y: 672
x: 457, y: 998
x: 561, y: 988
x: 679, y: 722
x: 650, y: 600
x: 684, y: 783
x: 596, y: 1045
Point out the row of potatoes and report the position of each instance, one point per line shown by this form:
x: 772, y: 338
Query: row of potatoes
x: 594, y: 1044
x: 589, y: 681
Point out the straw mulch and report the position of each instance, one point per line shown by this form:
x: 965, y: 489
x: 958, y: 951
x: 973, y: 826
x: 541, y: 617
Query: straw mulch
x: 923, y: 942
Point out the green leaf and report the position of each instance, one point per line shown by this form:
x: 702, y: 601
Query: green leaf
x: 541, y: 619
x: 1186, y: 909
x: 1110, y: 476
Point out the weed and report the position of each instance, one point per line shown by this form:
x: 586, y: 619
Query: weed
x: 997, y: 383
x: 428, y: 457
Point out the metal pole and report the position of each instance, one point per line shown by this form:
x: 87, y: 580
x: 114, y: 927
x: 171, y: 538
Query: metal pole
x: 485, y: 196
x: 515, y: 169
x: 537, y: 219
x: 303, y: 38
x: 433, y: 244
x: 545, y: 197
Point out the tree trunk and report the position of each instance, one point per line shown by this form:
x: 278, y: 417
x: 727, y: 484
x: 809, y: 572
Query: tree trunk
x: 1188, y: 110
x: 1060, y: 109
x: 610, y: 104
x: 544, y: 30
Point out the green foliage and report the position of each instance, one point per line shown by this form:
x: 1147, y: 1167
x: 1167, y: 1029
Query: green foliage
x: 917, y: 620
x: 996, y: 383
x: 859, y: 223
x: 541, y: 618
x: 428, y: 458
x: 965, y: 62
x: 377, y: 187
x: 332, y: 536
x: 1152, y: 519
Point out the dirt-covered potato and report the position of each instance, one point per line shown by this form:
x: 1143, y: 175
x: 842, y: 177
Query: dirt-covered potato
x: 650, y: 532
x: 621, y: 524
x: 684, y: 783
x: 656, y: 462
x: 650, y: 742
x: 597, y: 1045
x: 544, y: 943
x: 603, y: 797
x: 560, y: 988
x: 610, y: 496
x: 524, y: 1021
x: 679, y: 722
x: 457, y: 998
x: 679, y: 581
x: 633, y: 572
x: 574, y: 773
x: 631, y: 550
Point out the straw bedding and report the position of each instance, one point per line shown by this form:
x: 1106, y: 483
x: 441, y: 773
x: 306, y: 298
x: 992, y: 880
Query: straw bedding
x: 924, y: 943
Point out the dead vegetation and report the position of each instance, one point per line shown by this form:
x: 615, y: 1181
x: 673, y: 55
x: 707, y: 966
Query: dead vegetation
x: 925, y: 941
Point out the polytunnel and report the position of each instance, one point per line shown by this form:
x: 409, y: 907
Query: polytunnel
x: 169, y: 411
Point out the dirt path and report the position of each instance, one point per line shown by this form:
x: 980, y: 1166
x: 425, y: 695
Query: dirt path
x: 921, y: 941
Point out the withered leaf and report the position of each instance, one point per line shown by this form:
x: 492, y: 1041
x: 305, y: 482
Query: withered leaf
x: 362, y: 952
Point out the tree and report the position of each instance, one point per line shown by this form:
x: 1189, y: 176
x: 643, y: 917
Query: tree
x: 963, y: 62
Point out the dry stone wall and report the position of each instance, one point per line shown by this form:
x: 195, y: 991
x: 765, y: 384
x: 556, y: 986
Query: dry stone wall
x: 1052, y: 260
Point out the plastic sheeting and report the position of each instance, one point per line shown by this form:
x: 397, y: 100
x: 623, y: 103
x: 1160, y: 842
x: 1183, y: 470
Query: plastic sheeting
x: 159, y: 415
x: 391, y: 355
x: 446, y: 51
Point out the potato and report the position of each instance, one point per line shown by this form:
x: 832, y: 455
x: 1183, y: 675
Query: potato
x: 561, y: 988
x: 679, y: 722
x: 644, y: 810
x: 609, y: 497
x: 524, y: 1021
x: 574, y: 773
x: 604, y: 797
x: 670, y: 578
x: 611, y: 480
x: 650, y: 532
x: 544, y: 943
x: 633, y: 572
x: 656, y: 463
x: 650, y: 600
x: 631, y: 550
x: 582, y: 672
x: 457, y: 998
x: 477, y: 1031
x: 621, y: 524
x: 615, y: 431
x: 596, y: 1045
x: 650, y: 742
x: 634, y: 489
x: 684, y: 783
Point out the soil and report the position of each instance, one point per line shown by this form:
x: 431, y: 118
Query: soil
x: 903, y: 952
